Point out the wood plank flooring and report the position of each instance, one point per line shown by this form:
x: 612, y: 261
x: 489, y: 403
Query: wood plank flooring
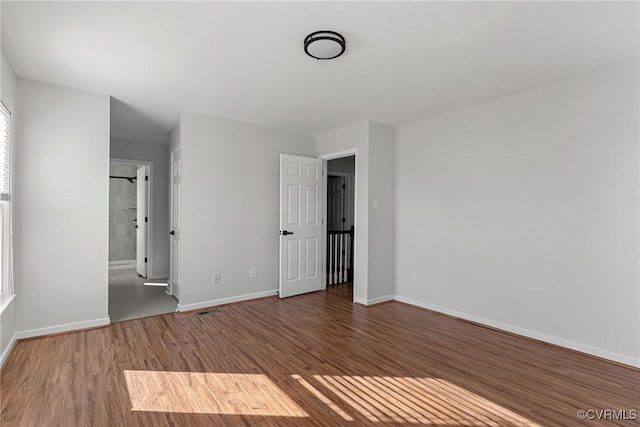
x: 312, y: 360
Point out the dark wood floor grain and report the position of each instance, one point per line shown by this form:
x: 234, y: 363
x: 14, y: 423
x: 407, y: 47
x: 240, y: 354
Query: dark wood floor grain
x: 312, y: 360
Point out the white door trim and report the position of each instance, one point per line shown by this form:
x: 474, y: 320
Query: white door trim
x: 170, y: 290
x: 149, y: 165
x: 325, y: 158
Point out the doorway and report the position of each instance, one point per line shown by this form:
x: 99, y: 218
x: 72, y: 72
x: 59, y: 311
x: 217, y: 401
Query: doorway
x: 125, y: 244
x: 132, y: 294
x: 305, y: 250
x: 340, y: 225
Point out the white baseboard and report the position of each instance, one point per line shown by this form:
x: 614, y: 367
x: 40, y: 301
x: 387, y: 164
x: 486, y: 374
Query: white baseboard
x: 122, y: 265
x: 583, y: 348
x: 7, y: 351
x: 212, y: 303
x: 378, y: 300
x: 68, y: 327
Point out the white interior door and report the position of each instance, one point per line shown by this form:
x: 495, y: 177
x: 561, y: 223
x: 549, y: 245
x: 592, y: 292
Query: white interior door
x: 300, y: 225
x: 175, y: 221
x: 142, y: 220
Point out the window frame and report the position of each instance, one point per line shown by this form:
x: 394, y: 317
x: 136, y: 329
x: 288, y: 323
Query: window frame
x: 7, y: 290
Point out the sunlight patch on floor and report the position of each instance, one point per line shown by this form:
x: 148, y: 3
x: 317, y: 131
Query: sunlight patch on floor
x: 324, y: 399
x: 209, y: 393
x: 427, y: 401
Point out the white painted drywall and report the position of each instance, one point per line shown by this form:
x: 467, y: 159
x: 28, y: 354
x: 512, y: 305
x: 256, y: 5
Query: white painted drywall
x: 230, y: 206
x: 7, y: 310
x: 158, y: 154
x: 61, y: 206
x: 349, y: 137
x: 523, y: 213
x: 7, y: 331
x: 381, y: 212
x: 174, y: 140
x: 8, y: 83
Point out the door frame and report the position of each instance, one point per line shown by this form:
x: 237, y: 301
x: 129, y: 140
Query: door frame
x: 149, y: 242
x: 325, y: 174
x: 169, y: 290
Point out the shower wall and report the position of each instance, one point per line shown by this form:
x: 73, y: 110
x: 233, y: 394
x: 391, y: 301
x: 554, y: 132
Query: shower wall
x: 122, y: 213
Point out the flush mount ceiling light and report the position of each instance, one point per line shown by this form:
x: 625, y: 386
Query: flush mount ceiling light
x: 324, y: 45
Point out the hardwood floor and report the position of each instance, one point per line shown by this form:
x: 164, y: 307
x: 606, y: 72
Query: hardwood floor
x: 315, y: 360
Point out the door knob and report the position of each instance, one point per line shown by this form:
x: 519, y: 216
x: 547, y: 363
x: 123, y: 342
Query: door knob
x: 285, y: 232
x: 173, y: 233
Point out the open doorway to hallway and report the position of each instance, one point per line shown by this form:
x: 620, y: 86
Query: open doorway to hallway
x: 133, y: 297
x: 340, y: 225
x: 134, y: 292
x: 140, y: 150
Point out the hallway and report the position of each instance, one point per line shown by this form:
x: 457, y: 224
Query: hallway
x: 130, y: 298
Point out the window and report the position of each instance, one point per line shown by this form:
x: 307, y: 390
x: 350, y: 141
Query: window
x: 6, y: 262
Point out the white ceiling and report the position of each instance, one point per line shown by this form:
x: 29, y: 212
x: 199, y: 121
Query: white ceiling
x: 244, y: 60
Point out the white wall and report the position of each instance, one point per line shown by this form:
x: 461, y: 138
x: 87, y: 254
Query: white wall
x: 7, y: 331
x: 158, y: 154
x: 8, y: 83
x: 522, y: 213
x: 174, y: 140
x: 7, y: 307
x: 230, y: 206
x: 381, y: 212
x: 61, y: 206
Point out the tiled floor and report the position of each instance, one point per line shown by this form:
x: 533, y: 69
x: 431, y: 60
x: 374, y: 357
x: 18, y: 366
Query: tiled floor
x: 130, y: 298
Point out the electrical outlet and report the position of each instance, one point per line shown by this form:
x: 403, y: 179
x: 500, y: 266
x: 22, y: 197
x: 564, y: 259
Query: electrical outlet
x: 216, y: 278
x: 414, y: 278
x: 253, y: 273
